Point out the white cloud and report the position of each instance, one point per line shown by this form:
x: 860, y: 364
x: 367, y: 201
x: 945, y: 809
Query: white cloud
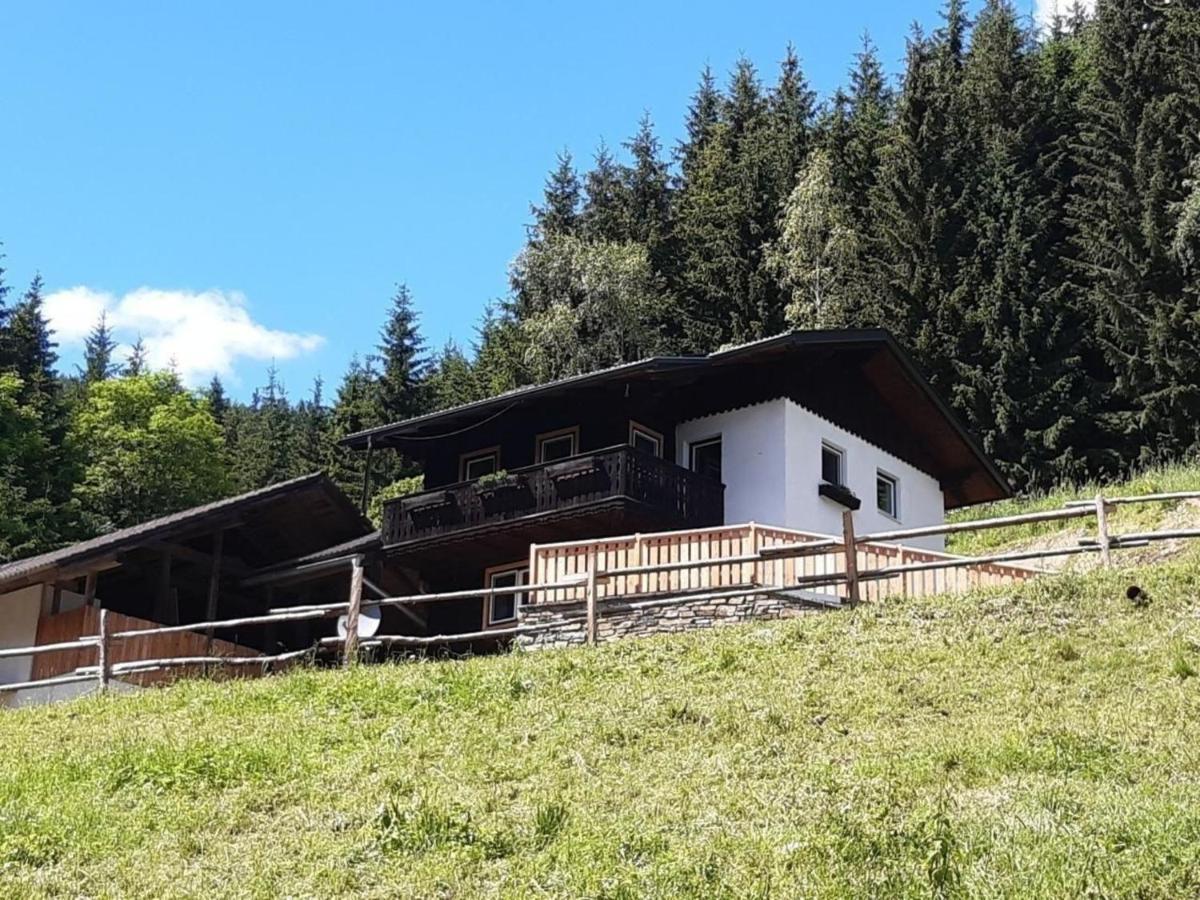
x: 201, y: 333
x: 1047, y: 9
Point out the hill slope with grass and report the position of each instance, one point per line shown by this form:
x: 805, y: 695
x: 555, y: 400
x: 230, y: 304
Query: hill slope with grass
x: 1124, y: 518
x: 1038, y: 741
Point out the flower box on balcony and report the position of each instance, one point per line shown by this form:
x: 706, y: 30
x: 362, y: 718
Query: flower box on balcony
x: 503, y: 494
x: 577, y: 476
x: 432, y: 508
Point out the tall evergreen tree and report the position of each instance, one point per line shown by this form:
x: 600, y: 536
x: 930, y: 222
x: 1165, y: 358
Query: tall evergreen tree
x: 98, y: 349
x: 309, y: 430
x: 218, y: 403
x: 355, y: 408
x: 559, y: 212
x: 702, y: 117
x: 136, y: 363
x: 605, y: 212
x: 452, y: 380
x: 402, y: 359
x: 1141, y: 130
x: 647, y: 192
x: 7, y: 359
x: 32, y: 347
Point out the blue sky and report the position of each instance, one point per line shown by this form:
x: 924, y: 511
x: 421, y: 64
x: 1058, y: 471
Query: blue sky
x: 243, y: 182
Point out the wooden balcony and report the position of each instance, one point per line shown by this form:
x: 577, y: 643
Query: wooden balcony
x: 617, y: 480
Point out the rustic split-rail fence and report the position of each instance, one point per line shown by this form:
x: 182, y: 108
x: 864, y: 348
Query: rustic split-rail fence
x: 640, y: 572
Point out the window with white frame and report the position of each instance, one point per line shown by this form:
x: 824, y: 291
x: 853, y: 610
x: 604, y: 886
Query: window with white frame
x: 646, y: 439
x: 555, y: 445
x: 704, y: 457
x: 833, y: 464
x: 477, y: 464
x: 887, y: 494
x: 501, y: 609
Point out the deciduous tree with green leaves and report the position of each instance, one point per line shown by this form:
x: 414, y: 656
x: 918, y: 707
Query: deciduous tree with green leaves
x: 149, y: 448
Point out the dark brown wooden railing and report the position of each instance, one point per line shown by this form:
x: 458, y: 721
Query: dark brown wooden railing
x: 610, y: 474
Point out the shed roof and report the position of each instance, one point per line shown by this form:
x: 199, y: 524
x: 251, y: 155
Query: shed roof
x: 281, y: 521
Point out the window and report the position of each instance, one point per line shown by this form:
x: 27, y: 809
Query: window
x: 557, y: 444
x: 501, y: 609
x: 833, y: 464
x: 477, y: 464
x: 705, y: 457
x: 646, y: 439
x: 887, y: 494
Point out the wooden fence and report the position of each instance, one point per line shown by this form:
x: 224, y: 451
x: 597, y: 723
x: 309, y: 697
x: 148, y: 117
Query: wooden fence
x: 67, y: 626
x: 730, y: 555
x: 639, y: 570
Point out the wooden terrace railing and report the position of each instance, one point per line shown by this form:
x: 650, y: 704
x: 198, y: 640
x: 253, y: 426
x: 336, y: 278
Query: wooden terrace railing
x: 621, y: 472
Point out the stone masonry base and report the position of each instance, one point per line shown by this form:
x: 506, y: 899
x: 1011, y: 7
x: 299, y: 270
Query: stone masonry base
x: 617, y: 619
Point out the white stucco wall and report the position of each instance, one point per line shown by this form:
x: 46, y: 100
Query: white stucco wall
x: 753, y: 459
x: 19, y: 614
x: 771, y: 466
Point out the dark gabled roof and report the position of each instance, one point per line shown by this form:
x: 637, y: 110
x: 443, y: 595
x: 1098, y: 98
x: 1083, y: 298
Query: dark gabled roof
x: 502, y: 402
x: 285, y: 507
x: 867, y: 359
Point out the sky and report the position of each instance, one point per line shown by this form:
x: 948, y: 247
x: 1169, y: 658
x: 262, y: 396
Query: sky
x: 244, y: 184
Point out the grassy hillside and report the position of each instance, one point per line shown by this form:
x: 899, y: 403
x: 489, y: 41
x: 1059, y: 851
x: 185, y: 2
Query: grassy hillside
x: 1040, y: 742
x: 1140, y: 517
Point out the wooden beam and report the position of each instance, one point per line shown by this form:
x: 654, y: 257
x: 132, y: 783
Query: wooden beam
x: 231, y: 564
x: 89, y: 589
x: 162, y: 596
x: 214, y: 588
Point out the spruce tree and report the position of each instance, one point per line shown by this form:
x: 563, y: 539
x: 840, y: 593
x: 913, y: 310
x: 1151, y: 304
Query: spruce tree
x: 791, y: 110
x: 310, y: 429
x: 559, y: 212
x: 33, y: 349
x: 218, y: 403
x: 355, y: 408
x: 402, y: 360
x: 1141, y: 131
x: 451, y: 380
x: 604, y: 214
x: 7, y: 359
x: 98, y: 349
x: 136, y: 363
x: 647, y: 191
x: 703, y: 114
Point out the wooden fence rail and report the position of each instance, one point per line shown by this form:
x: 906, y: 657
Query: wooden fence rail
x: 635, y: 572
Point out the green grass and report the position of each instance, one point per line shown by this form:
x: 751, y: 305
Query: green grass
x: 1130, y: 517
x: 1034, y: 742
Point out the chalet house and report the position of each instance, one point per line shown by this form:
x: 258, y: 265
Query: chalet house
x: 789, y: 431
x: 783, y: 434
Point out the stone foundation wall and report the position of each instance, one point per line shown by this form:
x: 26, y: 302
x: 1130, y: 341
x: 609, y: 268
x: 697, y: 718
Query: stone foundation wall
x: 618, y: 620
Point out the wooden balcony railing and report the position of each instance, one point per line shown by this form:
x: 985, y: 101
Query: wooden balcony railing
x: 614, y: 473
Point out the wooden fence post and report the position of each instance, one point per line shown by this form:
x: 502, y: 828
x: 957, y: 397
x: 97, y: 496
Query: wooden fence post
x: 1102, y: 531
x: 534, y: 577
x: 851, y: 550
x: 104, y: 663
x: 902, y: 559
x: 754, y: 572
x: 590, y: 597
x: 636, y: 586
x: 356, y: 586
